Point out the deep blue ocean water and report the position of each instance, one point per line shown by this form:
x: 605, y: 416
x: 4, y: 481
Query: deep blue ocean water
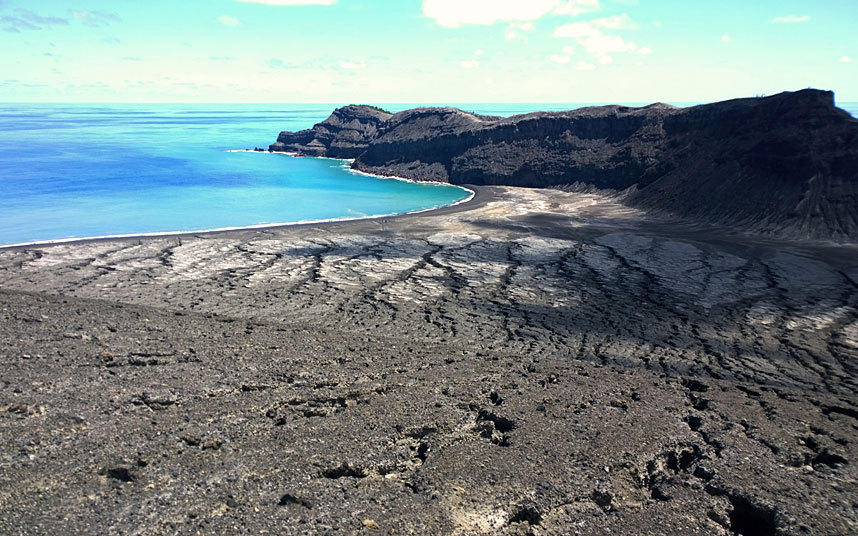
x: 83, y: 170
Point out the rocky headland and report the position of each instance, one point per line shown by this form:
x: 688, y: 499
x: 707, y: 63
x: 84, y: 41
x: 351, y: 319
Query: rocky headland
x: 783, y: 165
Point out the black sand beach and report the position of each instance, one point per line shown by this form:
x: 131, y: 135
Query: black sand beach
x: 529, y: 362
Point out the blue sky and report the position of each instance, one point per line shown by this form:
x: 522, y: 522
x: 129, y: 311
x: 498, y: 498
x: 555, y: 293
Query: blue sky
x: 424, y: 50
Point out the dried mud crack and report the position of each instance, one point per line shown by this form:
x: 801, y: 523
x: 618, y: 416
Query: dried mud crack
x: 533, y: 362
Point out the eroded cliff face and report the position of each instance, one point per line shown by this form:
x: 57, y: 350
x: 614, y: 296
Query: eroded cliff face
x: 345, y: 134
x: 785, y: 164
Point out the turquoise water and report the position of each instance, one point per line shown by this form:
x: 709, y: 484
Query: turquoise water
x: 82, y: 170
x: 93, y: 170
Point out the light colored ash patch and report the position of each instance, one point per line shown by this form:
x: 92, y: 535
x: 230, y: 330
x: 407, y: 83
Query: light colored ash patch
x: 821, y: 315
x: 801, y: 274
x: 513, y: 274
x: 764, y: 313
x: 200, y: 259
x: 714, y: 278
x: 850, y: 335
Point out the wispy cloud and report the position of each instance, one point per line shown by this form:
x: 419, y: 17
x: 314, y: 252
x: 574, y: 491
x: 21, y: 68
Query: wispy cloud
x: 517, y: 30
x: 95, y: 18
x: 564, y: 56
x: 20, y: 84
x: 791, y: 19
x: 584, y: 66
x: 24, y: 19
x: 474, y: 62
x: 577, y: 7
x: 228, y: 20
x: 352, y: 65
x: 726, y: 38
x: 455, y: 13
x: 277, y: 63
x: 591, y: 36
x: 39, y: 19
x: 291, y: 2
x: 15, y: 25
x: 844, y: 59
x: 320, y: 63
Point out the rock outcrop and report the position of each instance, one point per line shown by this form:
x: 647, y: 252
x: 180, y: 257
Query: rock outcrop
x: 345, y: 134
x: 784, y: 165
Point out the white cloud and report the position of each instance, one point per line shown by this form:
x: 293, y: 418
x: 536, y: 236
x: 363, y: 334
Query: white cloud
x: 584, y: 29
x: 844, y: 59
x: 516, y: 30
x: 577, y: 7
x: 564, y: 57
x: 226, y: 20
x: 645, y: 50
x: 479, y: 52
x: 352, y: 65
x: 791, y: 19
x: 584, y: 66
x: 454, y: 13
x: 291, y: 2
x: 726, y: 38
x: 617, y: 22
x: 598, y: 44
x: 470, y: 64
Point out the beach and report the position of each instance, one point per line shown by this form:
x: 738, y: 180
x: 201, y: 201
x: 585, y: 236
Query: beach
x: 527, y: 362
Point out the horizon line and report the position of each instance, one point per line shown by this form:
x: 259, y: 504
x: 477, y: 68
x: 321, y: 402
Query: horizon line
x: 346, y: 103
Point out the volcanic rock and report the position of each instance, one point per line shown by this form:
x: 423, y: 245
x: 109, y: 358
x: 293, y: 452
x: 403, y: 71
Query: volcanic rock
x: 781, y: 165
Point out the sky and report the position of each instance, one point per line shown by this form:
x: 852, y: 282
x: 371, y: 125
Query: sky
x: 424, y: 51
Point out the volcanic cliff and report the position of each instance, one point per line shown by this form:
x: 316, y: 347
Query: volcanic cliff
x: 785, y: 164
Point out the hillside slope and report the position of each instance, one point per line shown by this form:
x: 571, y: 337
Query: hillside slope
x: 784, y: 165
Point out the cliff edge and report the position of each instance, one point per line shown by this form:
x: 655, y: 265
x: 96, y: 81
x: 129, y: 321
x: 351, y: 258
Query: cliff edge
x: 784, y: 165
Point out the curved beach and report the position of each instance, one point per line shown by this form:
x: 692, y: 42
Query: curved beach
x: 346, y: 168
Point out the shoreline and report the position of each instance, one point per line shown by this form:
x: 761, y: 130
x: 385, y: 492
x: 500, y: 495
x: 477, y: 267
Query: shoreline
x: 348, y: 167
x: 276, y: 225
x: 474, y: 193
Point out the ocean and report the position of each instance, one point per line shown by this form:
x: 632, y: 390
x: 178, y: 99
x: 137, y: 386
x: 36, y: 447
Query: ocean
x: 77, y: 170
x: 88, y: 170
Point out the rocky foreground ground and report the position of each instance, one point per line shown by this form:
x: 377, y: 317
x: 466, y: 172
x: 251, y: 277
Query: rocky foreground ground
x: 533, y: 362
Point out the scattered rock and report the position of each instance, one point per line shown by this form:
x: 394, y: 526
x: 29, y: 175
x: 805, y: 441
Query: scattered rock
x: 370, y: 524
x: 287, y: 498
